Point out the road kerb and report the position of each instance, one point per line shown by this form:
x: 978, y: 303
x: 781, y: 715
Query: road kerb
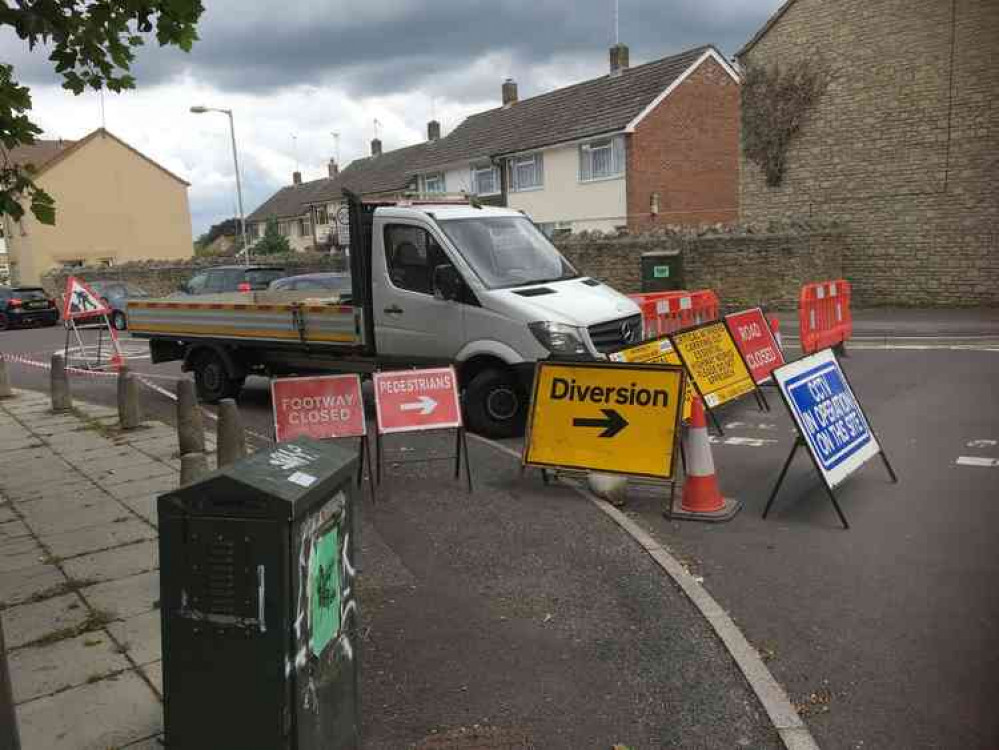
x: 792, y: 730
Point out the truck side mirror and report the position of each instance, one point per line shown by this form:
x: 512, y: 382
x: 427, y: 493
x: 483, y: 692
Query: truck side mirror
x: 447, y: 282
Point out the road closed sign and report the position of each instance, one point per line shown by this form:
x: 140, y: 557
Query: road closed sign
x: 756, y: 342
x: 714, y: 363
x: 409, y: 400
x: 616, y: 418
x: 323, y: 407
x: 827, y: 415
x: 661, y: 352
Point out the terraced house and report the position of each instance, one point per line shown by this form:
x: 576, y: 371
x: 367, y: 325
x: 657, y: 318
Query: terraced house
x: 657, y: 143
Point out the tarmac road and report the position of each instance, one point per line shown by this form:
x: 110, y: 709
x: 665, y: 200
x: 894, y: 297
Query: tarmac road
x: 886, y: 634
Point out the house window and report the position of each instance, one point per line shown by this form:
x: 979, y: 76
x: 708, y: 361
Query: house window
x: 601, y: 159
x: 283, y: 228
x: 73, y: 264
x: 106, y: 262
x: 322, y: 216
x: 527, y: 173
x: 303, y: 227
x: 485, y: 180
x: 433, y: 182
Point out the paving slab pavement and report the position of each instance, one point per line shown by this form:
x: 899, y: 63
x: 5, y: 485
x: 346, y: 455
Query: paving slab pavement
x: 519, y: 609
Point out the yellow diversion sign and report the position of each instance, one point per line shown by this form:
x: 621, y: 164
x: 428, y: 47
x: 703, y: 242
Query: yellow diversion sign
x: 617, y: 418
x: 660, y: 351
x: 714, y: 363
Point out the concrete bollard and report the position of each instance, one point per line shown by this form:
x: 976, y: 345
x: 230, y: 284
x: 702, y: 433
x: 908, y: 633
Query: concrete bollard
x: 193, y: 466
x: 5, y: 390
x: 129, y: 411
x: 231, y: 439
x: 62, y: 399
x: 190, y: 427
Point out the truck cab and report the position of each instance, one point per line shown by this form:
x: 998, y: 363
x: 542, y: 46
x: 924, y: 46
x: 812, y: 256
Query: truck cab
x: 484, y: 289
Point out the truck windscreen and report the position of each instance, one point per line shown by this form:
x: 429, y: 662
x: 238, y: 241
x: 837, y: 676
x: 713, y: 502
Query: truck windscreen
x: 507, y: 251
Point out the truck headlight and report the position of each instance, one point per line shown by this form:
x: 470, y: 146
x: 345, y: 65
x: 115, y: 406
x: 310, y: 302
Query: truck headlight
x: 559, y: 338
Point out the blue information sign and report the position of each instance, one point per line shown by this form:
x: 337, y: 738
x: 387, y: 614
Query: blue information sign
x: 827, y: 415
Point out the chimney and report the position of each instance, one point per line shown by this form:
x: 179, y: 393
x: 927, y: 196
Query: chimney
x: 376, y: 146
x: 334, y: 168
x: 296, y: 177
x: 509, y: 92
x: 433, y: 130
x: 618, y: 59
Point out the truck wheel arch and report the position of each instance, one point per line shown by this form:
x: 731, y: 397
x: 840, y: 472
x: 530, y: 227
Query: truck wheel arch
x: 494, y: 398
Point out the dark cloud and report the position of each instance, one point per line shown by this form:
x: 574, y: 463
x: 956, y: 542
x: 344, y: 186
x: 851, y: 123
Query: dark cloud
x: 381, y: 47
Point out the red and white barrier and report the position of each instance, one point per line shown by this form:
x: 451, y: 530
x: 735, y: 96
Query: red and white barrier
x: 824, y: 316
x: 666, y: 312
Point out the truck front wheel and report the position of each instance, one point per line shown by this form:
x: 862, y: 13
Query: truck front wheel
x: 495, y: 404
x: 212, y: 379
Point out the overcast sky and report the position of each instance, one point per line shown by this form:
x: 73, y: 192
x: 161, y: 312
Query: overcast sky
x: 296, y: 71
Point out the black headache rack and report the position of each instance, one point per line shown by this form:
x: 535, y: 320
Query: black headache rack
x: 361, y: 222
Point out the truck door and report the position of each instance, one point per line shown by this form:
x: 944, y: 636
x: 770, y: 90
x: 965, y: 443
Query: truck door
x: 410, y: 322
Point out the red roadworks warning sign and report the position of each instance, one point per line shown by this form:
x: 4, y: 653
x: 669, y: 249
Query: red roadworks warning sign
x: 329, y: 406
x: 82, y: 301
x: 756, y: 343
x: 408, y: 400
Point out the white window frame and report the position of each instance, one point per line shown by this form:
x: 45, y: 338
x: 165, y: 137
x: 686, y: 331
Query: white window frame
x: 322, y: 215
x: 615, y: 146
x: 493, y: 170
x: 436, y: 176
x: 302, y: 228
x: 539, y: 171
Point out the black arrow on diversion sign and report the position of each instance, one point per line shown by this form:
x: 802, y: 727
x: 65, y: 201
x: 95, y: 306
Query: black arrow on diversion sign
x: 612, y: 423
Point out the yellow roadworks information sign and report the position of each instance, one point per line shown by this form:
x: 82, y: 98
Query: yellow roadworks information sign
x: 617, y: 418
x: 657, y: 352
x: 713, y: 362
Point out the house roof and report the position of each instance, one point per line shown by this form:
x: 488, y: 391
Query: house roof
x: 761, y: 32
x: 293, y: 200
x: 601, y: 105
x: 391, y: 170
x: 37, y: 154
x: 44, y: 155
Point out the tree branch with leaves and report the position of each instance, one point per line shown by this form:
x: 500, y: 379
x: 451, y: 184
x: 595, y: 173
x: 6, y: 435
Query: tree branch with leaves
x: 91, y: 45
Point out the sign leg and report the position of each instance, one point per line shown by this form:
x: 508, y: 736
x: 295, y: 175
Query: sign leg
x: 468, y: 465
x: 366, y: 441
x: 360, y: 462
x: 839, y: 511
x: 683, y: 453
x: 378, y: 458
x: 100, y: 345
x: 780, y: 479
x: 672, y: 499
x: 715, y: 422
x: 891, y: 471
x: 457, y: 453
x: 762, y: 400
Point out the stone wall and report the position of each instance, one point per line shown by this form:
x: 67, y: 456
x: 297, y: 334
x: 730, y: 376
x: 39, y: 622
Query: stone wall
x: 903, y: 149
x: 743, y: 266
x: 161, y: 278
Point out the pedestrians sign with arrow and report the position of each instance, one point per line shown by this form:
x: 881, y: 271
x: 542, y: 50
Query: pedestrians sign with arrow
x: 617, y: 418
x: 408, y: 400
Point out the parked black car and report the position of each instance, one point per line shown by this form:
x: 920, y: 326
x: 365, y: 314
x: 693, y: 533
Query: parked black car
x: 222, y: 279
x: 116, y: 295
x: 26, y: 305
x: 323, y: 284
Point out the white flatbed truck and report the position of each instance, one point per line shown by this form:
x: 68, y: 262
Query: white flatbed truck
x: 477, y: 287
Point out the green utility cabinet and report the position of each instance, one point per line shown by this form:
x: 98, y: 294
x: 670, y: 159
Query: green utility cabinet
x: 257, y: 603
x: 662, y: 271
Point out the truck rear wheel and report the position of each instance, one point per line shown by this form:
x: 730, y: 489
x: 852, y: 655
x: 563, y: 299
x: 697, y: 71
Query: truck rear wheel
x: 212, y: 379
x: 495, y: 404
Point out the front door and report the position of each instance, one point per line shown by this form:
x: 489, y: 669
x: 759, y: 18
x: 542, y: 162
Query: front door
x: 410, y: 322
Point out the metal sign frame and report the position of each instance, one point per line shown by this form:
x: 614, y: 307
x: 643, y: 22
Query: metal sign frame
x: 710, y: 410
x: 601, y: 365
x: 802, y: 442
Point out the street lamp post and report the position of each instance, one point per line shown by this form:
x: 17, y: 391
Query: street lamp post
x: 235, y: 163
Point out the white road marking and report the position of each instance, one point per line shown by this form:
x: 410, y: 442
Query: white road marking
x: 982, y: 443
x: 977, y: 461
x: 752, y: 442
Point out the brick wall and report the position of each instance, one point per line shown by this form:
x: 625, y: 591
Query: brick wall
x: 687, y: 150
x: 903, y: 150
x: 742, y: 266
x: 160, y: 278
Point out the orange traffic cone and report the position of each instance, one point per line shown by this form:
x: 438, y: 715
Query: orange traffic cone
x: 700, y: 486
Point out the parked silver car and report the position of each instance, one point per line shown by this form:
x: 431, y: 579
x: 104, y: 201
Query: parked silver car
x: 117, y: 294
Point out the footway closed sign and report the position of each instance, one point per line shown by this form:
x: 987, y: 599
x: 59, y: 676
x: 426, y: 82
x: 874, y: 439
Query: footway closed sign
x: 616, y: 418
x: 827, y: 414
x: 323, y: 407
x: 714, y: 363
